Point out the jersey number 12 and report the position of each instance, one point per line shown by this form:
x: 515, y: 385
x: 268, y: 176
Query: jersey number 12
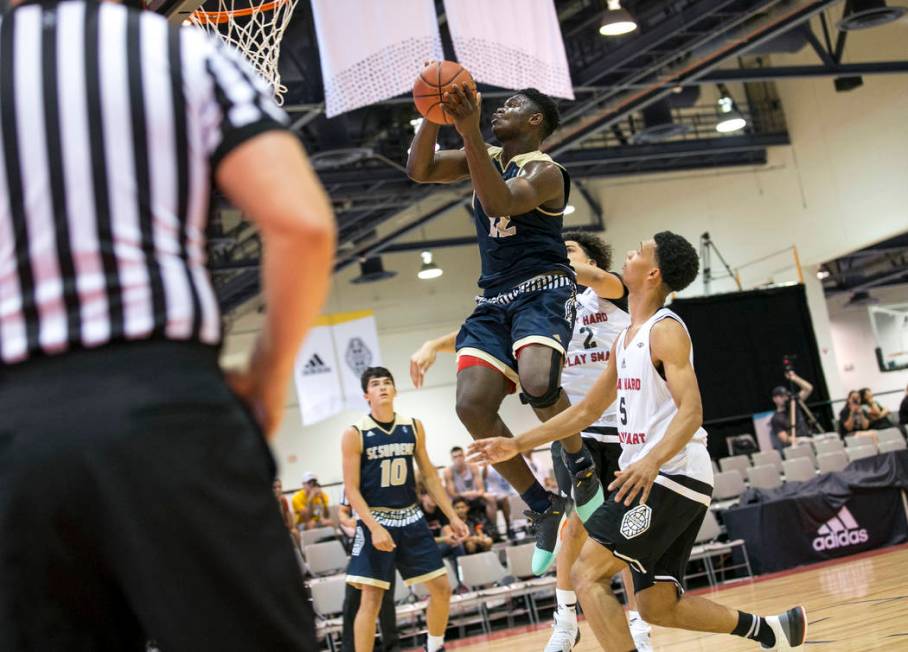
x: 498, y: 227
x: 393, y: 472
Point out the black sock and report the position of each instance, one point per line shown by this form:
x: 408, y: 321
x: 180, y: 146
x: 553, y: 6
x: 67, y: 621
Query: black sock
x: 755, y: 628
x: 579, y: 461
x: 536, y: 498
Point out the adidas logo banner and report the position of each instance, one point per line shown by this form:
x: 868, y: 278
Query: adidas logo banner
x: 329, y: 365
x: 841, y: 531
x: 815, y: 524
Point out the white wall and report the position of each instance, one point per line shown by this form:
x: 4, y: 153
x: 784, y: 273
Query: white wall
x: 840, y: 186
x: 854, y: 343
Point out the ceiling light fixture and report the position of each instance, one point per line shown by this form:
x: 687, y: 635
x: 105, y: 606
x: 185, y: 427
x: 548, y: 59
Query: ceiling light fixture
x: 822, y: 274
x: 730, y: 119
x: 371, y: 270
x: 616, y: 20
x: 864, y: 14
x: 429, y: 269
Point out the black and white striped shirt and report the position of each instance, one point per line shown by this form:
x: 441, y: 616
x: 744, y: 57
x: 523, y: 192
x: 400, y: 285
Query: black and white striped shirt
x: 112, y: 122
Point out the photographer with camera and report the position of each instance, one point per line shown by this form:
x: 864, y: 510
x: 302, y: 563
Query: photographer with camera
x: 853, y: 420
x: 787, y: 411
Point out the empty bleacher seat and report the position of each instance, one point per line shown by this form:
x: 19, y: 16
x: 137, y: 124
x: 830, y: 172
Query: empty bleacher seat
x: 325, y: 558
x: 890, y: 434
x: 770, y: 457
x: 328, y: 603
x: 317, y: 534
x: 798, y: 470
x: 764, y: 477
x: 728, y: 485
x: 854, y: 440
x: 794, y: 452
x: 894, y: 445
x: 739, y: 463
x: 828, y: 446
x: 832, y: 461
x: 707, y: 547
x: 860, y: 452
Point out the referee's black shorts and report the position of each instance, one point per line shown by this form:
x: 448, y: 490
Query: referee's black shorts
x: 136, y: 502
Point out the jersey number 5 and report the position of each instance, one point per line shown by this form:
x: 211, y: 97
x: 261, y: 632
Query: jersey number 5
x: 498, y: 227
x: 393, y: 472
x: 622, y: 409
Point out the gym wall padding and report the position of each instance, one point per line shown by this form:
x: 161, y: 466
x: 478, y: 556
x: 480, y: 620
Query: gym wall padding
x: 740, y: 340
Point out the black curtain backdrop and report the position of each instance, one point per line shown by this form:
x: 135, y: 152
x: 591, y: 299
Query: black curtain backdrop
x: 739, y: 341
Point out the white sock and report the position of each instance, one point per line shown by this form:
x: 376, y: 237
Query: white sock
x: 633, y: 615
x: 567, y: 603
x: 434, y: 643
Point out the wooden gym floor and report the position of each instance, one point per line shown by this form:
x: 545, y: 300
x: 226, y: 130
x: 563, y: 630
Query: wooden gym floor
x: 855, y: 604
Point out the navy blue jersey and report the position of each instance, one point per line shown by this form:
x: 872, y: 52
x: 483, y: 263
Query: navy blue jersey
x: 518, y: 247
x: 386, y: 464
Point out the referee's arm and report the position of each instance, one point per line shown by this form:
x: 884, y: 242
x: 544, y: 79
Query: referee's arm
x: 269, y: 179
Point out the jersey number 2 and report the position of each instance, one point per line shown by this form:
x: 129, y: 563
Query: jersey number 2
x: 498, y: 227
x: 588, y: 341
x: 393, y: 472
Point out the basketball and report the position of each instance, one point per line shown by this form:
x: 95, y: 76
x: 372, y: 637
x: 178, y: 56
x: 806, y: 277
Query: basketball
x: 433, y: 82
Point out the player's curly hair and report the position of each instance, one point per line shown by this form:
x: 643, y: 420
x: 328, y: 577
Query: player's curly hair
x: 593, y: 246
x: 677, y: 259
x: 546, y: 105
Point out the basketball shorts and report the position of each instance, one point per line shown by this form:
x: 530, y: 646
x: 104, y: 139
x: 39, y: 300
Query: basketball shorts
x: 540, y: 310
x: 654, y: 539
x: 415, y: 555
x: 605, y: 457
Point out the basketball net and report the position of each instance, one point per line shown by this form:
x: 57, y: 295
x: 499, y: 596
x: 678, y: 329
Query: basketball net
x: 256, y: 30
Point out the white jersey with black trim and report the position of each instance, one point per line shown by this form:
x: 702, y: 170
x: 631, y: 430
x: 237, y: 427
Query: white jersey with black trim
x: 645, y: 410
x: 599, y: 323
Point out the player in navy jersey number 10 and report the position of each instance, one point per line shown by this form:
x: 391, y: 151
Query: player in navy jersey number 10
x: 523, y: 321
x: 391, y: 530
x: 662, y: 491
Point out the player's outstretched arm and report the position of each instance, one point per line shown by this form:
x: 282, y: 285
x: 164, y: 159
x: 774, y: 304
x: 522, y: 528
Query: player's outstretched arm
x: 425, y: 165
x: 604, y: 283
x: 573, y: 420
x: 433, y: 484
x: 424, y: 357
x: 351, y: 450
x: 670, y: 345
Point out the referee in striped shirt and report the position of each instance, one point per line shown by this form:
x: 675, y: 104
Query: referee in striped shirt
x: 135, y: 481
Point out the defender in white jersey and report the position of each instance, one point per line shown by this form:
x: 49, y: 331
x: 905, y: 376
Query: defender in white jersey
x: 599, y: 322
x: 662, y: 491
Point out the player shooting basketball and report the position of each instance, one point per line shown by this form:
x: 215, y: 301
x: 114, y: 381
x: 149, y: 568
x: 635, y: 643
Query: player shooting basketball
x: 523, y: 321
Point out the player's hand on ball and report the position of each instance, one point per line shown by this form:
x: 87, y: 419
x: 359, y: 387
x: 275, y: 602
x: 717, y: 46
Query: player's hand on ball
x: 492, y: 450
x: 382, y: 540
x: 464, y: 105
x: 459, y: 529
x: 420, y: 362
x: 636, y: 479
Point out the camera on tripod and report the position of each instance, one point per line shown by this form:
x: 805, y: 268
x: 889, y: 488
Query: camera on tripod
x: 788, y: 362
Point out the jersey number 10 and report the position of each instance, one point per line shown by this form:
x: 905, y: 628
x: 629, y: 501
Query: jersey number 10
x: 393, y: 472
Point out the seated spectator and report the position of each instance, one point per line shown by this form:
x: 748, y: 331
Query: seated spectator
x: 853, y: 420
x: 448, y: 545
x: 465, y: 480
x: 876, y: 413
x: 903, y: 410
x: 500, y: 489
x: 478, y: 540
x: 286, y: 512
x: 311, y: 504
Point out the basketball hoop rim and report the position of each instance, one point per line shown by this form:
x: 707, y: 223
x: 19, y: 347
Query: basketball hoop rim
x: 220, y: 17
